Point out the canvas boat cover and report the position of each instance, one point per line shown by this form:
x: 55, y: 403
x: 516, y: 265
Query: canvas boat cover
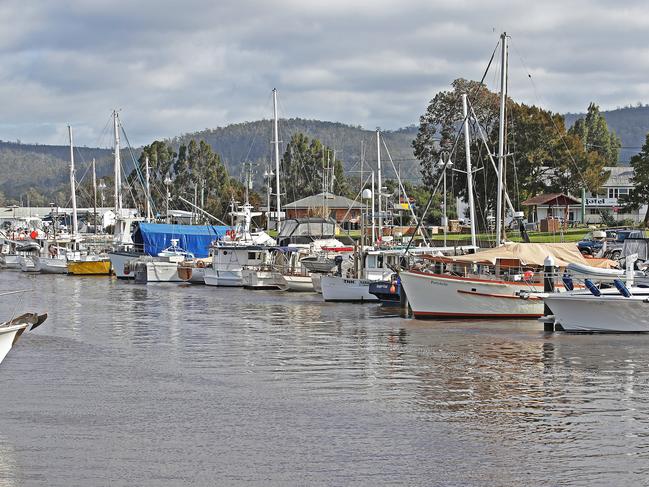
x: 153, y: 238
x: 534, y: 254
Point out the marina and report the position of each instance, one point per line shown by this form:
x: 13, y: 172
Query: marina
x: 341, y: 244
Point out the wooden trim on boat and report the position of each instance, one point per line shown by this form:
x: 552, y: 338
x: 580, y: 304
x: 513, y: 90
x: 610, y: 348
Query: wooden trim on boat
x: 505, y: 296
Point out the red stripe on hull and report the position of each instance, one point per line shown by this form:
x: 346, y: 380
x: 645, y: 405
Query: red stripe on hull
x: 437, y: 314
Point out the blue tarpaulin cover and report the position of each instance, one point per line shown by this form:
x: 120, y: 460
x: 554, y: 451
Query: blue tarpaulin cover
x: 155, y: 237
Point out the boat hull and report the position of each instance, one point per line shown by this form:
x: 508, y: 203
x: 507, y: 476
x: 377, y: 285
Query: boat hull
x: 226, y: 278
x: 604, y: 314
x: 294, y: 283
x: 89, y: 268
x: 8, y: 336
x: 10, y: 261
x: 341, y: 289
x: 118, y: 261
x: 191, y: 274
x: 27, y: 264
x: 316, y: 280
x: 156, y: 271
x: 48, y: 265
x: 258, y: 279
x: 442, y: 296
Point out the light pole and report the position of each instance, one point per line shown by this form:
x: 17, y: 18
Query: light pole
x: 443, y: 166
x: 268, y: 176
x: 167, y: 183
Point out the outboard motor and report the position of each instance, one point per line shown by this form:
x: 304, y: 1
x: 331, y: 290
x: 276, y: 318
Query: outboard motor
x: 338, y: 260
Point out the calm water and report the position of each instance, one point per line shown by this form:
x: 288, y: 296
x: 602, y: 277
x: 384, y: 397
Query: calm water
x: 170, y: 385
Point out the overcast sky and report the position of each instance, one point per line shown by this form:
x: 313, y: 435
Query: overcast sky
x: 173, y: 67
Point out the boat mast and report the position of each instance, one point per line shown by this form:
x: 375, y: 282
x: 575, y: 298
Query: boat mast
x: 118, y: 169
x: 378, y: 163
x: 73, y: 189
x: 469, y: 173
x: 501, y: 138
x: 149, y: 216
x: 276, y: 142
x: 94, y: 190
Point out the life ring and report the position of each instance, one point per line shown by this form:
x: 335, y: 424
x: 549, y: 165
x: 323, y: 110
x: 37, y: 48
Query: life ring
x: 528, y: 275
x: 53, y: 250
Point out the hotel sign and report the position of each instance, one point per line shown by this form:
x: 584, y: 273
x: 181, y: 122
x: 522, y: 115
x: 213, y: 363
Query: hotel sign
x: 601, y: 201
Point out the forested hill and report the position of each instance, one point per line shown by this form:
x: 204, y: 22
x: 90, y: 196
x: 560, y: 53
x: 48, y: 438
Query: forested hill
x: 631, y: 124
x: 44, y: 168
x: 41, y: 170
x: 251, y: 141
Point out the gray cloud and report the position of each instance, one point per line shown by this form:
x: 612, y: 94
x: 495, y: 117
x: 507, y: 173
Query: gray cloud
x: 175, y: 67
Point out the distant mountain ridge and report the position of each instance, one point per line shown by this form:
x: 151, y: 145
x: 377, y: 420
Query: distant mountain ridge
x: 44, y: 168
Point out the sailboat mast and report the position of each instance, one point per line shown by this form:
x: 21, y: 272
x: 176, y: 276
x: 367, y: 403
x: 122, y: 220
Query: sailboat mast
x: 501, y: 139
x: 378, y: 163
x: 118, y: 169
x: 149, y: 216
x: 94, y: 191
x: 469, y: 173
x: 73, y: 189
x: 276, y: 142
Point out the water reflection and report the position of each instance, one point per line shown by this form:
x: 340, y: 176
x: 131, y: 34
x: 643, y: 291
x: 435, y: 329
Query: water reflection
x: 227, y: 380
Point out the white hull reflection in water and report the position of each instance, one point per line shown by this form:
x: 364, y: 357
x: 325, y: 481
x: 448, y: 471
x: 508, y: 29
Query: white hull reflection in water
x: 181, y: 385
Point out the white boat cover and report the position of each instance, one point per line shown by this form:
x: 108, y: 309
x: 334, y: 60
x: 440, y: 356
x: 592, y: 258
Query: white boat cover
x: 534, y: 254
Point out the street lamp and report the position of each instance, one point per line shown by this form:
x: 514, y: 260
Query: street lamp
x: 167, y: 183
x: 443, y: 166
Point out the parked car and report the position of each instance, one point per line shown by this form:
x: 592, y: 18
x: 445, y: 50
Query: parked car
x: 614, y: 241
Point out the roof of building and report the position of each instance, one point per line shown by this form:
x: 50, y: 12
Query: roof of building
x: 331, y: 200
x: 620, y: 176
x: 551, y: 199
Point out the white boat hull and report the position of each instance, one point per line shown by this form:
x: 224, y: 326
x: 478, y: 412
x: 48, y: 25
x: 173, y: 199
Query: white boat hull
x: 49, y: 265
x: 294, y: 283
x: 258, y: 279
x: 227, y: 278
x: 581, y: 312
x: 8, y: 337
x: 336, y: 288
x: 27, y: 264
x: 435, y: 295
x: 155, y: 271
x: 118, y: 260
x: 10, y: 261
x: 316, y: 278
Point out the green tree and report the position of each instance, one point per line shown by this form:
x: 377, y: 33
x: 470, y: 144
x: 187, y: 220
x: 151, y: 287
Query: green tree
x: 542, y: 156
x: 595, y: 135
x: 640, y: 194
x: 303, y: 168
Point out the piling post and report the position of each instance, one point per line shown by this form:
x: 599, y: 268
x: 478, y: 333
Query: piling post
x: 549, y: 273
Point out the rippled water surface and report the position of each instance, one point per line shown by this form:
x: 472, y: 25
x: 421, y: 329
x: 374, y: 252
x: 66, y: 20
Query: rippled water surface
x: 172, y: 385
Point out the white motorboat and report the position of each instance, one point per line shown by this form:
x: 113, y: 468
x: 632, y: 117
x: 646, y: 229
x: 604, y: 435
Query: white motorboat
x: 11, y: 330
x: 229, y: 261
x: 614, y: 310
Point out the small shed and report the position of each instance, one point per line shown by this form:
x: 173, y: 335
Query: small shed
x: 551, y: 210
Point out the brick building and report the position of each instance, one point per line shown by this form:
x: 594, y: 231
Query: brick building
x: 345, y: 211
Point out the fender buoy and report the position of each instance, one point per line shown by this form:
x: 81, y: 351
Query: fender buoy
x: 33, y: 234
